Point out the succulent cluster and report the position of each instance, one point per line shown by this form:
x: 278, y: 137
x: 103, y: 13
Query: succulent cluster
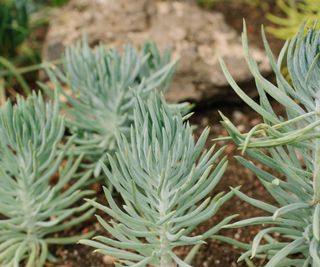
x: 103, y: 86
x: 164, y: 178
x: 32, y: 206
x: 120, y: 127
x: 288, y: 144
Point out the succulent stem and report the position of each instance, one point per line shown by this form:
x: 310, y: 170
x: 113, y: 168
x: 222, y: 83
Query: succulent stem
x: 165, y: 258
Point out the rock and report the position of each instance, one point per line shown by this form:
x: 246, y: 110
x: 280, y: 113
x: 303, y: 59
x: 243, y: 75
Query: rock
x: 238, y: 117
x: 195, y: 36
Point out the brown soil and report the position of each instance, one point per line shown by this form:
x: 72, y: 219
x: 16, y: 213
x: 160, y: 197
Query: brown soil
x: 218, y: 253
x: 214, y: 253
x: 255, y: 17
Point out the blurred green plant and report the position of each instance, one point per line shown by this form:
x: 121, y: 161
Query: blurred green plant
x: 14, y: 26
x: 289, y: 147
x: 59, y: 2
x: 164, y: 178
x: 19, y: 51
x: 34, y: 207
x: 296, y: 12
x: 14, y: 30
x: 38, y: 4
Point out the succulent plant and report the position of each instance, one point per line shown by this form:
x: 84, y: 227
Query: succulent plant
x: 164, y: 178
x: 103, y: 85
x: 288, y: 145
x: 34, y: 207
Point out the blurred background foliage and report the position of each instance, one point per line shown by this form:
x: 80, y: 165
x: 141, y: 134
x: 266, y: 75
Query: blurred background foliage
x: 14, y: 26
x: 295, y: 12
x: 22, y: 29
x: 18, y: 19
x: 292, y: 14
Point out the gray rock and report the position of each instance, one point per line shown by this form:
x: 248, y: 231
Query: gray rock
x: 195, y: 36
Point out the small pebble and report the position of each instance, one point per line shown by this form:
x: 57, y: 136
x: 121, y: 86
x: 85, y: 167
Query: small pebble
x: 108, y: 259
x: 237, y: 236
x: 241, y: 128
x: 238, y: 117
x: 205, y: 121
